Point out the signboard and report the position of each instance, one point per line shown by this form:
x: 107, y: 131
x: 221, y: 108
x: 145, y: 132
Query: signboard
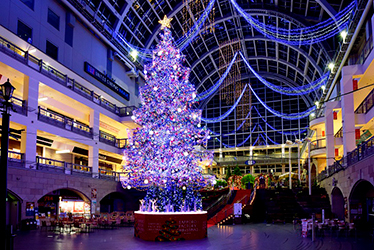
x: 364, y: 137
x: 250, y: 162
x: 91, y: 70
x: 237, y: 209
x: 30, y: 209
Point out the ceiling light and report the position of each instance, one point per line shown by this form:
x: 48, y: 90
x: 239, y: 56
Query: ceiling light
x: 323, y: 87
x: 343, y: 34
x: 134, y: 54
x: 331, y: 66
x: 42, y: 99
x: 63, y: 151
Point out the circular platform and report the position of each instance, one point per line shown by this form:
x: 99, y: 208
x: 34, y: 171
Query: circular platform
x: 154, y: 226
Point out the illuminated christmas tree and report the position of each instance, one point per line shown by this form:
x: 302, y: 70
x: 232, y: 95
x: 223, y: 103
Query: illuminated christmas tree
x: 162, y: 155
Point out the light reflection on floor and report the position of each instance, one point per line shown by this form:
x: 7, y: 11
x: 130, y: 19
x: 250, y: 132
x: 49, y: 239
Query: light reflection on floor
x: 250, y: 236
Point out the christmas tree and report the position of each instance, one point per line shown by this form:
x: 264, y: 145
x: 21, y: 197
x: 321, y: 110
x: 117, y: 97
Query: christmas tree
x: 162, y: 155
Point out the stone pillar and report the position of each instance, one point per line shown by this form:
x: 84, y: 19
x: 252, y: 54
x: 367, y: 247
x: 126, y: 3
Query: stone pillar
x: 283, y: 168
x: 329, y: 126
x: 93, y: 151
x: 28, y: 137
x: 347, y: 103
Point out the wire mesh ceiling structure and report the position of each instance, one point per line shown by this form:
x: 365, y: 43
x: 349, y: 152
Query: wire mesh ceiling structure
x: 276, y: 61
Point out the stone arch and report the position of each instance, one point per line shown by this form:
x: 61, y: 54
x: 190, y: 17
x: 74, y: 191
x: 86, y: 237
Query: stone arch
x: 337, y: 203
x: 121, y: 201
x: 361, y: 201
x: 51, y: 202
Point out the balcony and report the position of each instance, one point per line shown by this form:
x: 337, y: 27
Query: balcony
x: 15, y: 159
x: 362, y: 151
x: 112, y: 140
x: 316, y: 117
x: 64, y: 122
x: 63, y: 79
x: 366, y: 104
x: 318, y: 147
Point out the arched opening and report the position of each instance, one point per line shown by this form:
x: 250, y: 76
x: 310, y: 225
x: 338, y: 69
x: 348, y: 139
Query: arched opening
x: 64, y: 203
x: 313, y: 173
x: 362, y: 204
x: 113, y: 202
x: 337, y: 203
x: 13, y: 210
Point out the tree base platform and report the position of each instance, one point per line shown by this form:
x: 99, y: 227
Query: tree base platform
x: 163, y: 226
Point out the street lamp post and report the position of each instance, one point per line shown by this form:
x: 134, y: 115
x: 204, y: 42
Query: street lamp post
x: 7, y: 92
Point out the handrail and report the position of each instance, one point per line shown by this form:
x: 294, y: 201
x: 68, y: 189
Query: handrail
x: 362, y: 151
x: 339, y: 134
x: 112, y: 140
x: 318, y: 113
x: 366, y: 104
x: 39, y: 65
x: 317, y: 144
x: 64, y: 122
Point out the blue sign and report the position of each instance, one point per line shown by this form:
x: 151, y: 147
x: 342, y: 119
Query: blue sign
x: 91, y: 70
x: 250, y: 162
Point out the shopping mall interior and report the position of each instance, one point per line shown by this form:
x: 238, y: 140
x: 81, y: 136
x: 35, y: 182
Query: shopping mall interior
x: 255, y: 114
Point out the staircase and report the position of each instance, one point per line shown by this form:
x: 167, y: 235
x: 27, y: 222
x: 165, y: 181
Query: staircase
x: 241, y: 196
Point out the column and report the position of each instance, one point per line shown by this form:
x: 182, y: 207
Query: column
x: 93, y: 151
x: 329, y: 126
x: 283, y: 168
x: 347, y: 104
x: 28, y: 137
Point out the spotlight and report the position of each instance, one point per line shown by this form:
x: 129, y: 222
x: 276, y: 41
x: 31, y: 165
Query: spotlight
x: 344, y: 34
x: 331, y: 66
x: 134, y: 54
x: 323, y: 87
x: 317, y: 103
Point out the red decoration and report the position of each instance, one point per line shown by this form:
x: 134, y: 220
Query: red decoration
x: 323, y: 133
x: 355, y: 84
x: 358, y: 133
x: 336, y: 152
x: 335, y: 114
x: 170, y: 226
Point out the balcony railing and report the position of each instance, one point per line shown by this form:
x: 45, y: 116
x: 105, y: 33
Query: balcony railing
x: 317, y: 144
x: 19, y: 105
x: 64, y: 122
x: 112, y: 140
x: 362, y: 151
x: 366, y: 104
x: 318, y: 113
x: 109, y: 174
x: 364, y: 53
x: 15, y: 158
x: 63, y: 79
x: 339, y: 134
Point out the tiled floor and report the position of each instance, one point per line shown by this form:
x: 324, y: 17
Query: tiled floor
x: 251, y: 236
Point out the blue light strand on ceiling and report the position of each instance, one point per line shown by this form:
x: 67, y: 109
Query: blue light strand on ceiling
x: 242, y: 143
x: 301, y: 90
x: 303, y: 36
x: 212, y: 89
x: 276, y: 130
x: 292, y: 116
x: 232, y: 132
x: 223, y: 116
x: 275, y: 143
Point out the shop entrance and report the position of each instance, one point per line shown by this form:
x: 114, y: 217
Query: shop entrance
x: 337, y: 203
x: 362, y: 204
x: 64, y: 203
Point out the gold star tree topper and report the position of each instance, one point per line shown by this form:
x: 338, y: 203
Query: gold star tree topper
x: 165, y: 23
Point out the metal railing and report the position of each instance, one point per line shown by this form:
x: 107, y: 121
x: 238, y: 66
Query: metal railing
x: 339, y: 134
x: 112, y: 140
x: 318, y: 113
x: 366, y: 104
x: 364, y: 53
x: 63, y: 79
x: 109, y: 174
x: 15, y: 158
x: 317, y: 144
x: 362, y: 151
x: 64, y: 122
x: 19, y: 105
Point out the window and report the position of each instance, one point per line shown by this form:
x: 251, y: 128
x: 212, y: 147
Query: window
x: 53, y: 19
x: 29, y: 3
x: 24, y: 31
x: 52, y: 50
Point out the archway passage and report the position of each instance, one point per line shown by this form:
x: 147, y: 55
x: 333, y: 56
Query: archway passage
x: 362, y: 204
x: 113, y: 202
x: 13, y: 210
x: 64, y: 203
x: 337, y: 203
